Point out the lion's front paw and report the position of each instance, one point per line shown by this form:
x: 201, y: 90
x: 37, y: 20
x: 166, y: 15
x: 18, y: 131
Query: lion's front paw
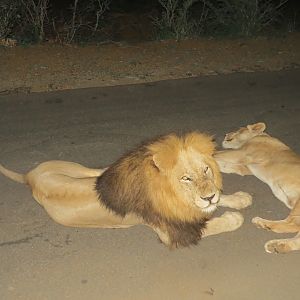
x: 234, y: 220
x: 243, y: 200
x: 260, y: 223
x: 278, y: 246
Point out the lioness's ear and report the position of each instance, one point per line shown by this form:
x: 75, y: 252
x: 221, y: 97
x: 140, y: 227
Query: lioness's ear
x: 257, y: 127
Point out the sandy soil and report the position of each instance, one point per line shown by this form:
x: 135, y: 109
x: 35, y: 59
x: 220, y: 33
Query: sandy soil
x: 50, y: 66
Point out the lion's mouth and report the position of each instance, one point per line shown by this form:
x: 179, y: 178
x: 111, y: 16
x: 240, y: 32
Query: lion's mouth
x: 207, y: 207
x: 208, y: 204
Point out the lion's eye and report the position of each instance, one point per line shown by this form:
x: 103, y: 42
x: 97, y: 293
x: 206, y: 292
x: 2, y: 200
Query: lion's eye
x: 206, y: 170
x: 186, y: 178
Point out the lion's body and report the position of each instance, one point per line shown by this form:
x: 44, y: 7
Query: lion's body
x: 67, y: 192
x: 255, y: 152
x: 142, y: 187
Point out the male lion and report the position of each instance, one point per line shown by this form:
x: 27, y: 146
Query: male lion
x: 171, y: 184
x: 255, y: 152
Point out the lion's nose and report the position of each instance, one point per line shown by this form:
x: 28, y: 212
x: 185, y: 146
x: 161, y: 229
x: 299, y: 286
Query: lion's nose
x: 209, y: 198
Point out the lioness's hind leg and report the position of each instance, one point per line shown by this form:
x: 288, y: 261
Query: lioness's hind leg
x: 283, y: 245
x: 229, y: 221
x: 237, y: 200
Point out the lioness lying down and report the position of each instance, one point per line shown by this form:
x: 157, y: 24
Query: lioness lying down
x: 256, y: 153
x: 171, y: 184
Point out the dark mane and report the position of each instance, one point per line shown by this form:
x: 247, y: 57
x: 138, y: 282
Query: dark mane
x: 184, y: 234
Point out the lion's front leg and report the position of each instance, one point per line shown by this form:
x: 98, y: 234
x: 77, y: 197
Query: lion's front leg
x: 237, y: 200
x: 229, y: 221
x: 163, y: 236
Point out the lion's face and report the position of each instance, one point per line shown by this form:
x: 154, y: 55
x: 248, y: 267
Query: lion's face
x: 235, y: 140
x: 186, y: 168
x: 195, y: 181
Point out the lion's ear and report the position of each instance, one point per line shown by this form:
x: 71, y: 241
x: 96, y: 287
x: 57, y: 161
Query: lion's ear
x: 156, y: 162
x: 164, y: 152
x: 162, y: 161
x: 257, y: 127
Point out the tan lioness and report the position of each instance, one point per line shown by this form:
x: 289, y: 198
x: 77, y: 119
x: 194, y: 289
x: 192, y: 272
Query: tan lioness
x: 254, y: 152
x: 171, y: 184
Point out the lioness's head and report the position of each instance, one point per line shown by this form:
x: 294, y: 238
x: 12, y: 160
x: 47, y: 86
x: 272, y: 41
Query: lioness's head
x: 237, y: 139
x: 191, y: 178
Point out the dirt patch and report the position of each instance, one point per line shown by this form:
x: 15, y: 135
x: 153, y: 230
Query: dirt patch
x: 49, y: 66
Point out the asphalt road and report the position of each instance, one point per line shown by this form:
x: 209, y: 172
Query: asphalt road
x: 40, y: 259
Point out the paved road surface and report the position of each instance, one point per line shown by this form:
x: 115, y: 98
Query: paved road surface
x: 43, y: 260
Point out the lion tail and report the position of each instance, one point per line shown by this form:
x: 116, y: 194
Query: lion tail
x: 12, y: 175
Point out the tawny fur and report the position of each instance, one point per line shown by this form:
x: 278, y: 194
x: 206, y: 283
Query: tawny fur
x: 257, y: 153
x: 171, y: 184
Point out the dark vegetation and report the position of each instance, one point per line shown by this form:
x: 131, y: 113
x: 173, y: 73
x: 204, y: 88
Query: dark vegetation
x: 81, y: 21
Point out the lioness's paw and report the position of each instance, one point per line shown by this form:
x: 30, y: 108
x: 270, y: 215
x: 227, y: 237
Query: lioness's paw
x: 260, y: 223
x: 278, y: 246
x: 234, y: 220
x: 243, y: 200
